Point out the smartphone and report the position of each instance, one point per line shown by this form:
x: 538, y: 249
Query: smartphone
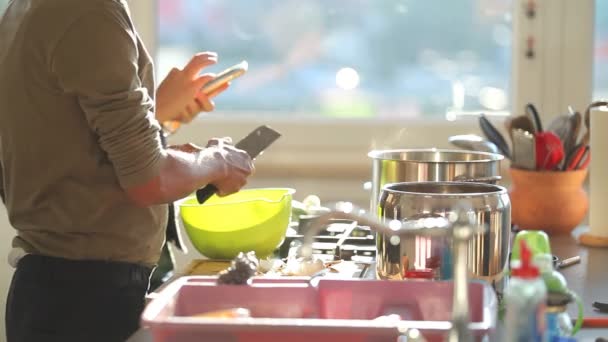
x: 222, y: 78
x: 225, y: 76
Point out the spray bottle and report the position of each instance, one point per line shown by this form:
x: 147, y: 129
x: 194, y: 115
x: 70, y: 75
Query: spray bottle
x: 525, y: 300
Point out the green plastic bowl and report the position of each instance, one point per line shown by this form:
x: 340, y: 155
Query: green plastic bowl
x: 249, y: 220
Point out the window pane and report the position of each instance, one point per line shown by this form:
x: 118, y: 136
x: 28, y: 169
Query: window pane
x: 600, y: 67
x: 349, y: 58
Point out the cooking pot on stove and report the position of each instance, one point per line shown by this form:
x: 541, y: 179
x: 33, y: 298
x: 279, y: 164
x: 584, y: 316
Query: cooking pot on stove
x: 430, y: 256
x: 431, y: 164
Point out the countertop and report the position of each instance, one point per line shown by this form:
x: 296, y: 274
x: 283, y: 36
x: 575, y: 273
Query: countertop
x: 589, y: 279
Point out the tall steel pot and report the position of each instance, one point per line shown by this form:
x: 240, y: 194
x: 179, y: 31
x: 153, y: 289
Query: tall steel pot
x: 438, y: 165
x: 429, y: 257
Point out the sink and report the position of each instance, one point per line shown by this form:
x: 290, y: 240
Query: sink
x: 324, y: 310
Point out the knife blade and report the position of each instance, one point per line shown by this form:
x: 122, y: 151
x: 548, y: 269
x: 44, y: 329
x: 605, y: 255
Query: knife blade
x: 254, y: 144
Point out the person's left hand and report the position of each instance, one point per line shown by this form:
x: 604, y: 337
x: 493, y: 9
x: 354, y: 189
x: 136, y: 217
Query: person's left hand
x: 188, y: 148
x: 179, y: 98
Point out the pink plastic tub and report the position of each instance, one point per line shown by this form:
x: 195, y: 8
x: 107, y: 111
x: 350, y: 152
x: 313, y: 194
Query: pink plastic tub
x: 293, y: 310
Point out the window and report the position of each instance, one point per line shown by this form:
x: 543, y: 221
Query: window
x: 349, y: 58
x: 600, y: 71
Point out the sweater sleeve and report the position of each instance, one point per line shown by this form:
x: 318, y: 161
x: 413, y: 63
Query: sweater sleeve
x: 96, y: 60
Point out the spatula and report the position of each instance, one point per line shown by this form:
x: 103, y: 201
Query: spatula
x: 494, y: 135
x: 524, y: 150
x: 519, y: 122
x: 532, y: 113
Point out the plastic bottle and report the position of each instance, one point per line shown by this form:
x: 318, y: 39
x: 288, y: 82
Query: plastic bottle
x: 525, y: 300
x: 558, y: 322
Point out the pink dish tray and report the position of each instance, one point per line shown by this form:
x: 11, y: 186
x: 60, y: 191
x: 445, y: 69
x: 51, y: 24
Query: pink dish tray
x: 295, y: 309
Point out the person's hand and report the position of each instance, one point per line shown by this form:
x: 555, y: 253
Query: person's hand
x: 233, y: 165
x: 179, y: 97
x: 188, y: 148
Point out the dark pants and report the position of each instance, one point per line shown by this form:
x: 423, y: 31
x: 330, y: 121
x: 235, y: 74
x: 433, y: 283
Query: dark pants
x: 165, y: 268
x: 54, y: 299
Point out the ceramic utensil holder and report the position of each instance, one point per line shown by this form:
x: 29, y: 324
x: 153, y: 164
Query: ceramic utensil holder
x: 554, y: 202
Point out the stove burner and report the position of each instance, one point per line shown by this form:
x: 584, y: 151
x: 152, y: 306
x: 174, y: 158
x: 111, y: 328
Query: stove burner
x: 340, y: 239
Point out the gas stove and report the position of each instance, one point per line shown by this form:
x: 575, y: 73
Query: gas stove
x: 339, y: 240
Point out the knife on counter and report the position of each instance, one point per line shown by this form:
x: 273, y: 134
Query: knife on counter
x: 254, y: 144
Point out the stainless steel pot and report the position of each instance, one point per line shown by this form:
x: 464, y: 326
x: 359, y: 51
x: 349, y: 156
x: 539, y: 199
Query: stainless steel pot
x: 420, y: 165
x: 429, y: 257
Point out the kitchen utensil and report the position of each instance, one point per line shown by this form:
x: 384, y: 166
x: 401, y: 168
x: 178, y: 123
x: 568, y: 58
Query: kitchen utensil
x: 494, y: 135
x: 254, y: 144
x: 602, y: 307
x: 413, y: 165
x: 519, y: 122
x: 562, y: 127
x: 532, y: 113
x: 488, y: 205
x: 524, y: 150
x: 249, y: 220
x: 576, y: 120
x: 568, y: 262
x: 549, y: 150
x: 596, y: 322
x: 473, y: 142
x: 575, y: 160
x: 585, y: 160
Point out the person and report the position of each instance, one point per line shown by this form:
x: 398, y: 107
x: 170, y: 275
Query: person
x: 83, y: 171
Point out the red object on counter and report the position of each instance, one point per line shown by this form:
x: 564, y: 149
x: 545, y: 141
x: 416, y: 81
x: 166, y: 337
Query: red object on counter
x: 425, y: 273
x: 595, y: 322
x: 549, y: 150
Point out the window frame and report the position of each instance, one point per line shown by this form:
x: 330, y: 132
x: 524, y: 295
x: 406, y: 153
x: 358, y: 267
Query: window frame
x: 324, y: 147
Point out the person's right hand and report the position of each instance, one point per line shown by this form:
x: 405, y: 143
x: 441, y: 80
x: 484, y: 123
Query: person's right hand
x: 232, y: 165
x: 179, y: 98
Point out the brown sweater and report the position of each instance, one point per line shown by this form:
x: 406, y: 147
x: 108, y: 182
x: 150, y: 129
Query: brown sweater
x: 76, y: 128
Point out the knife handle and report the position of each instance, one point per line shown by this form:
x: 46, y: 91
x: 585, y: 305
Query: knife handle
x: 205, y: 193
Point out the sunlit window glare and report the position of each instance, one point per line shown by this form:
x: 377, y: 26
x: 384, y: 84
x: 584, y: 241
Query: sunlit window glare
x: 493, y: 98
x: 347, y: 78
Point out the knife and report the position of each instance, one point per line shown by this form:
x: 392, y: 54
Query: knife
x: 254, y: 144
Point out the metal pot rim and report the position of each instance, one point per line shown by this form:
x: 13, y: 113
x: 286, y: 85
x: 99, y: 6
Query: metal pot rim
x: 390, y: 154
x: 492, y: 189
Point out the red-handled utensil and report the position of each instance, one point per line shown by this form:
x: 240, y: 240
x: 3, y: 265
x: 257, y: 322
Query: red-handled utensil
x: 584, y: 161
x: 595, y: 322
x: 549, y: 150
x: 576, y: 159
